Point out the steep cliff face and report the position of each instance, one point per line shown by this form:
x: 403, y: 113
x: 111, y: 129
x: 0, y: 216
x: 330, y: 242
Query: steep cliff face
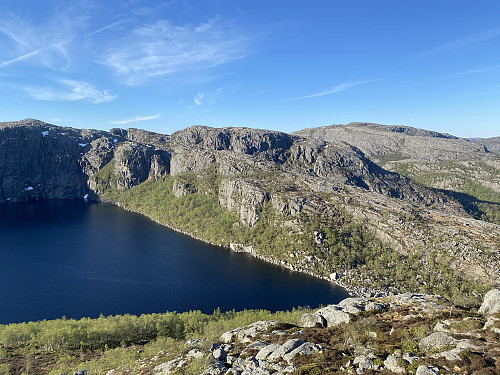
x: 44, y: 161
x: 39, y: 161
x: 239, y: 140
x: 135, y: 163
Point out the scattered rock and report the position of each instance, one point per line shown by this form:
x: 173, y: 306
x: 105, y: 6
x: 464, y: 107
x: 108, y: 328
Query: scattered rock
x: 491, y: 303
x: 392, y: 364
x: 374, y: 306
x: 216, y: 368
x: 312, y: 320
x: 195, y: 342
x: 306, y: 348
x: 443, y: 326
x: 195, y: 353
x: 450, y: 355
x: 490, y: 324
x: 410, y: 316
x: 170, y: 366
x: 364, y: 363
x: 426, y: 370
x: 256, y: 345
x: 244, y: 335
x: 280, y: 332
x: 267, y: 351
x: 410, y: 357
x: 333, y: 315
x: 437, y: 340
x: 353, y: 305
x: 425, y: 302
x: 287, y: 347
x: 219, y: 354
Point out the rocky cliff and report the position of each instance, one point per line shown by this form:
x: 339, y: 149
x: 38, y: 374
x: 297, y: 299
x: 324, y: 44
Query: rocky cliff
x: 44, y: 161
x: 467, y: 170
x: 399, y: 142
x: 318, y: 201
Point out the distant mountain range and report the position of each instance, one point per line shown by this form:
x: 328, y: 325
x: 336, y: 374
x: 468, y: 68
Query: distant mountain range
x: 378, y: 209
x: 492, y: 144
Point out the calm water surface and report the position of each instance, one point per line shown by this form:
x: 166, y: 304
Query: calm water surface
x: 79, y: 259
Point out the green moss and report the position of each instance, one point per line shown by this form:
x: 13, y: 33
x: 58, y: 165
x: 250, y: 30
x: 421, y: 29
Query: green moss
x: 467, y: 325
x: 4, y: 369
x: 311, y: 369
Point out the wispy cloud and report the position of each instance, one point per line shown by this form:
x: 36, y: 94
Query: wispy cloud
x: 335, y: 89
x: 135, y: 119
x: 70, y: 90
x: 161, y: 49
x: 207, y: 98
x: 110, y: 26
x: 465, y: 41
x: 477, y: 71
x: 198, y: 98
x: 49, y: 42
x: 27, y: 56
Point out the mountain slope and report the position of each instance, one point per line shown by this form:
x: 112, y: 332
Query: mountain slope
x: 464, y: 170
x: 311, y: 205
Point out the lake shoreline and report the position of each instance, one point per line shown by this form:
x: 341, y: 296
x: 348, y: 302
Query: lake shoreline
x: 79, y: 258
x: 354, y: 291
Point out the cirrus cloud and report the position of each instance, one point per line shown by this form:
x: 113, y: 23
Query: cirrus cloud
x: 70, y: 90
x: 335, y: 89
x: 465, y: 41
x: 135, y: 119
x: 162, y: 48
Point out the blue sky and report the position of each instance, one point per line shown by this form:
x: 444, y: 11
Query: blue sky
x: 283, y: 65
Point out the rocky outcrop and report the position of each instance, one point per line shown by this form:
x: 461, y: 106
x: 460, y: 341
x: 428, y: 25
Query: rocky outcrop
x: 333, y: 315
x: 491, y: 303
x: 144, y: 137
x: 437, y: 340
x: 242, y: 197
x: 135, y: 163
x: 383, y: 335
x: 239, y: 140
x: 467, y: 170
x: 44, y: 161
x: 40, y: 161
x: 403, y: 142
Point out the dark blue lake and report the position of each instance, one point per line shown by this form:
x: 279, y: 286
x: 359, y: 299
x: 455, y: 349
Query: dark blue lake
x: 79, y: 259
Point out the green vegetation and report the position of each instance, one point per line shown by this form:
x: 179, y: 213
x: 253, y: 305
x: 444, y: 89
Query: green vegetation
x: 462, y: 183
x: 124, y: 330
x: 116, y: 341
x: 353, y: 247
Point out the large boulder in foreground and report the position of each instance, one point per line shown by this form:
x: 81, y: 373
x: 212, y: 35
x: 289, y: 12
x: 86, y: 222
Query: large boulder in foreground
x: 333, y: 315
x: 309, y: 320
x: 491, y: 303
